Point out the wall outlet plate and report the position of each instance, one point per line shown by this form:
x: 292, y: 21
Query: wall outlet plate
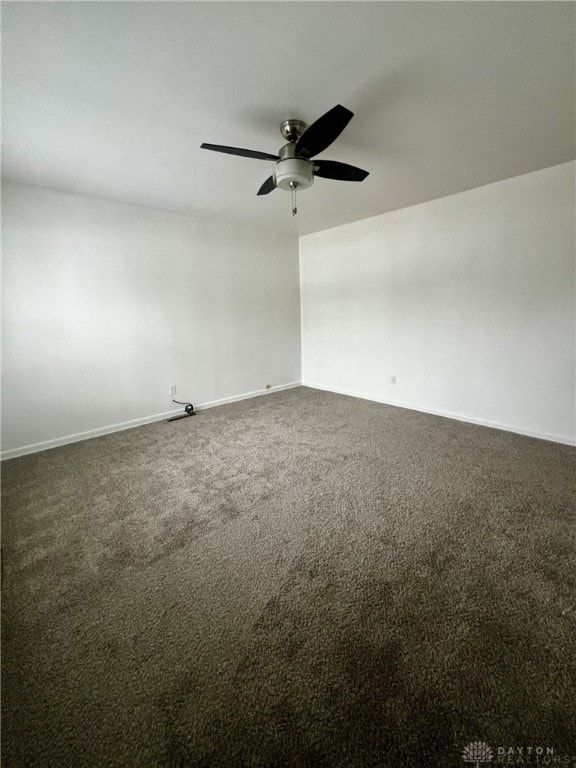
x: 172, y: 389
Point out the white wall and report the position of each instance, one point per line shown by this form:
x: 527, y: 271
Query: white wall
x: 468, y: 300
x: 106, y: 305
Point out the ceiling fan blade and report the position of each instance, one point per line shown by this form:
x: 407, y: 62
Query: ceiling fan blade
x: 331, y: 169
x: 241, y: 152
x: 268, y: 186
x: 323, y: 132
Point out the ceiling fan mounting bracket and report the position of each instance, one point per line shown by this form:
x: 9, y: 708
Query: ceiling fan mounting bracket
x: 291, y: 130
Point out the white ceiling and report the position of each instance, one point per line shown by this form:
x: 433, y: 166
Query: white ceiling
x: 114, y: 99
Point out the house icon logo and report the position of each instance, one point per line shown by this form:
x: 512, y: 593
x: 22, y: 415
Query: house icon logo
x: 477, y: 752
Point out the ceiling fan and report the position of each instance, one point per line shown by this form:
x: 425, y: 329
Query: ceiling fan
x: 294, y: 169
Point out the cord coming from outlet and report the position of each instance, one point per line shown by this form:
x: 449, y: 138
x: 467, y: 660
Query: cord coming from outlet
x: 188, y: 408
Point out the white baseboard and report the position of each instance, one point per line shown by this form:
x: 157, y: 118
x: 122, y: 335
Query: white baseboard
x: 565, y: 440
x: 246, y: 395
x: 75, y: 438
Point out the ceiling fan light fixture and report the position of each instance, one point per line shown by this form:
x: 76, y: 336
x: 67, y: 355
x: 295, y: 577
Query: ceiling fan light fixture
x: 294, y: 171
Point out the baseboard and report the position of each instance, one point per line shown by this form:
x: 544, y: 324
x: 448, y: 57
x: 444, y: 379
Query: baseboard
x: 247, y: 395
x: 79, y: 436
x: 448, y: 415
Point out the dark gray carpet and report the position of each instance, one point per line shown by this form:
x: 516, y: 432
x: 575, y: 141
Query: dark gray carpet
x: 302, y: 579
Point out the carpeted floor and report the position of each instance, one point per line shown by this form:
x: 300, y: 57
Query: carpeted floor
x: 303, y: 579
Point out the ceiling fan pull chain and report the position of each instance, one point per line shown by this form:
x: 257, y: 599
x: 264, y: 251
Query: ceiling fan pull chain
x: 293, y: 187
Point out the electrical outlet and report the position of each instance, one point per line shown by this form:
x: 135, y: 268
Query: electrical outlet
x: 393, y: 379
x: 172, y: 389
